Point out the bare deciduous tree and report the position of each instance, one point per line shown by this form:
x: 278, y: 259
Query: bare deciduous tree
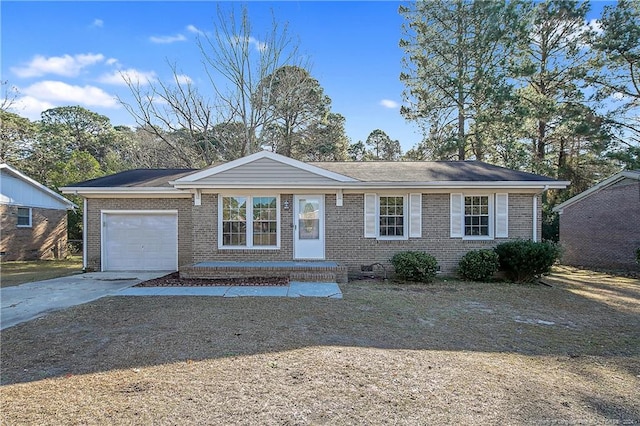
x: 188, y: 119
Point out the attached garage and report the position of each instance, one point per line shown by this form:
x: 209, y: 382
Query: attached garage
x: 140, y: 240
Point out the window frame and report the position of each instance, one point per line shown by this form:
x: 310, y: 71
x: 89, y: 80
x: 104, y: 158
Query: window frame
x: 249, y: 222
x: 498, y: 215
x: 490, y: 217
x: 30, y: 217
x: 405, y: 217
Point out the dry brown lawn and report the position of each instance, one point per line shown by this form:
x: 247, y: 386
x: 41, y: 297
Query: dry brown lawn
x: 449, y: 352
x: 16, y: 273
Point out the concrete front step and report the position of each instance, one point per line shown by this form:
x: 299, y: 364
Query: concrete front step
x: 294, y: 270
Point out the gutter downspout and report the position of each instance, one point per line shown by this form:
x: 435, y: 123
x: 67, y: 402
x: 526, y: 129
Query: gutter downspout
x: 535, y: 213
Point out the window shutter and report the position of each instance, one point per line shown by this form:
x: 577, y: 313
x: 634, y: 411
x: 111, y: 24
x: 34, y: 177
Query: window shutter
x: 502, y: 215
x: 415, y: 215
x: 370, y: 215
x: 457, y: 215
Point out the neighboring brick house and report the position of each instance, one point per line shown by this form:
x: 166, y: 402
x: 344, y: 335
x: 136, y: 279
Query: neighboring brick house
x: 600, y: 227
x: 266, y: 207
x: 33, y: 218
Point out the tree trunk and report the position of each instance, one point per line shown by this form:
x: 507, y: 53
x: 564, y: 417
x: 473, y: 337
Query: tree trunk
x: 460, y: 65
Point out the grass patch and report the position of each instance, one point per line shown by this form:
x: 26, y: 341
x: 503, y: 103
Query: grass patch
x: 16, y: 273
x: 388, y: 353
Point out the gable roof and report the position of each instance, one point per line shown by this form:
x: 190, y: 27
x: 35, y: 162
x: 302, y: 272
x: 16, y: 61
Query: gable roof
x: 56, y: 198
x: 150, y: 178
x: 283, y: 165
x: 268, y: 170
x: 430, y: 171
x: 626, y: 174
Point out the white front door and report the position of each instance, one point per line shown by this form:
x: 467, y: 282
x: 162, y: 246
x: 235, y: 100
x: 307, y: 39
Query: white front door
x: 308, y: 226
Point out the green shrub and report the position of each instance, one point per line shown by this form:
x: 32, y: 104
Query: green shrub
x: 638, y: 255
x: 478, y: 265
x: 415, y: 266
x: 525, y: 260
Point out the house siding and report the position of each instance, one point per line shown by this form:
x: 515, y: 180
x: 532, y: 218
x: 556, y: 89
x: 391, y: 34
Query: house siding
x: 45, y: 239
x: 603, y: 229
x: 265, y: 170
x: 96, y: 205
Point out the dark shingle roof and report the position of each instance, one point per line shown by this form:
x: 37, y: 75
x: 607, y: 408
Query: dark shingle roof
x: 428, y: 171
x: 139, y: 177
x: 368, y: 171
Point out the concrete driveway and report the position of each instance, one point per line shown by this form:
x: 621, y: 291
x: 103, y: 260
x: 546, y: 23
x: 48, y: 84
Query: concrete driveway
x: 32, y: 300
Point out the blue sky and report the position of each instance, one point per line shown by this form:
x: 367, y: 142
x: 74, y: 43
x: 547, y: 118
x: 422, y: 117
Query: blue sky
x: 71, y: 53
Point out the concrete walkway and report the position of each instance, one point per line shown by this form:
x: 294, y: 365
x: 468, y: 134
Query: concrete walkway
x: 32, y: 300
x: 294, y: 289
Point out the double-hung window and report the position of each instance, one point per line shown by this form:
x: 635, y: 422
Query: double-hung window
x: 476, y: 216
x: 24, y: 217
x: 479, y: 216
x: 248, y: 222
x: 392, y: 217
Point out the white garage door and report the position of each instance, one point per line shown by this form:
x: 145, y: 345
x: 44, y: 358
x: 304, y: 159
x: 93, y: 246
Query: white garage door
x: 140, y: 241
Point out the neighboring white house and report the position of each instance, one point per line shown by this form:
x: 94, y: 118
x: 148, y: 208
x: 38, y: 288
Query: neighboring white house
x: 33, y: 218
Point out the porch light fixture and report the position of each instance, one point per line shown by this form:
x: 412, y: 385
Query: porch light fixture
x: 285, y: 205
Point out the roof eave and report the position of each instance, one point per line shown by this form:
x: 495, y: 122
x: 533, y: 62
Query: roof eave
x: 601, y: 185
x: 81, y: 190
x: 70, y: 205
x: 542, y: 185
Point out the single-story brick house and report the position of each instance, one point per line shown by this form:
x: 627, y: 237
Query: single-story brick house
x: 33, y: 218
x: 266, y: 207
x: 600, y: 227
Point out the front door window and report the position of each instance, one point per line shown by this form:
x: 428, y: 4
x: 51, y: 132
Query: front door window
x: 308, y: 227
x: 309, y: 220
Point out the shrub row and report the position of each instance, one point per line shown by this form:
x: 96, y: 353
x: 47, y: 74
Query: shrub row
x: 521, y: 260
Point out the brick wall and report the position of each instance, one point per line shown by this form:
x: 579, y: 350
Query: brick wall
x: 205, y: 234
x: 344, y: 227
x: 345, y: 241
x: 603, y: 229
x: 96, y: 205
x: 45, y: 239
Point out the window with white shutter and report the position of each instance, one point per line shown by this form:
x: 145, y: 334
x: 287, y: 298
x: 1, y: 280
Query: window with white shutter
x: 392, y: 217
x: 415, y: 215
x: 370, y: 214
x: 456, y: 215
x: 479, y: 216
x: 502, y: 215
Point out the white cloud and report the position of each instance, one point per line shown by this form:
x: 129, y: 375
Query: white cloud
x: 259, y: 45
x: 67, y: 65
x: 120, y: 77
x: 183, y: 79
x: 30, y: 107
x: 97, y: 23
x: 167, y: 39
x: 112, y: 61
x: 595, y: 26
x: 620, y: 96
x: 193, y: 29
x: 388, y: 103
x: 59, y: 92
